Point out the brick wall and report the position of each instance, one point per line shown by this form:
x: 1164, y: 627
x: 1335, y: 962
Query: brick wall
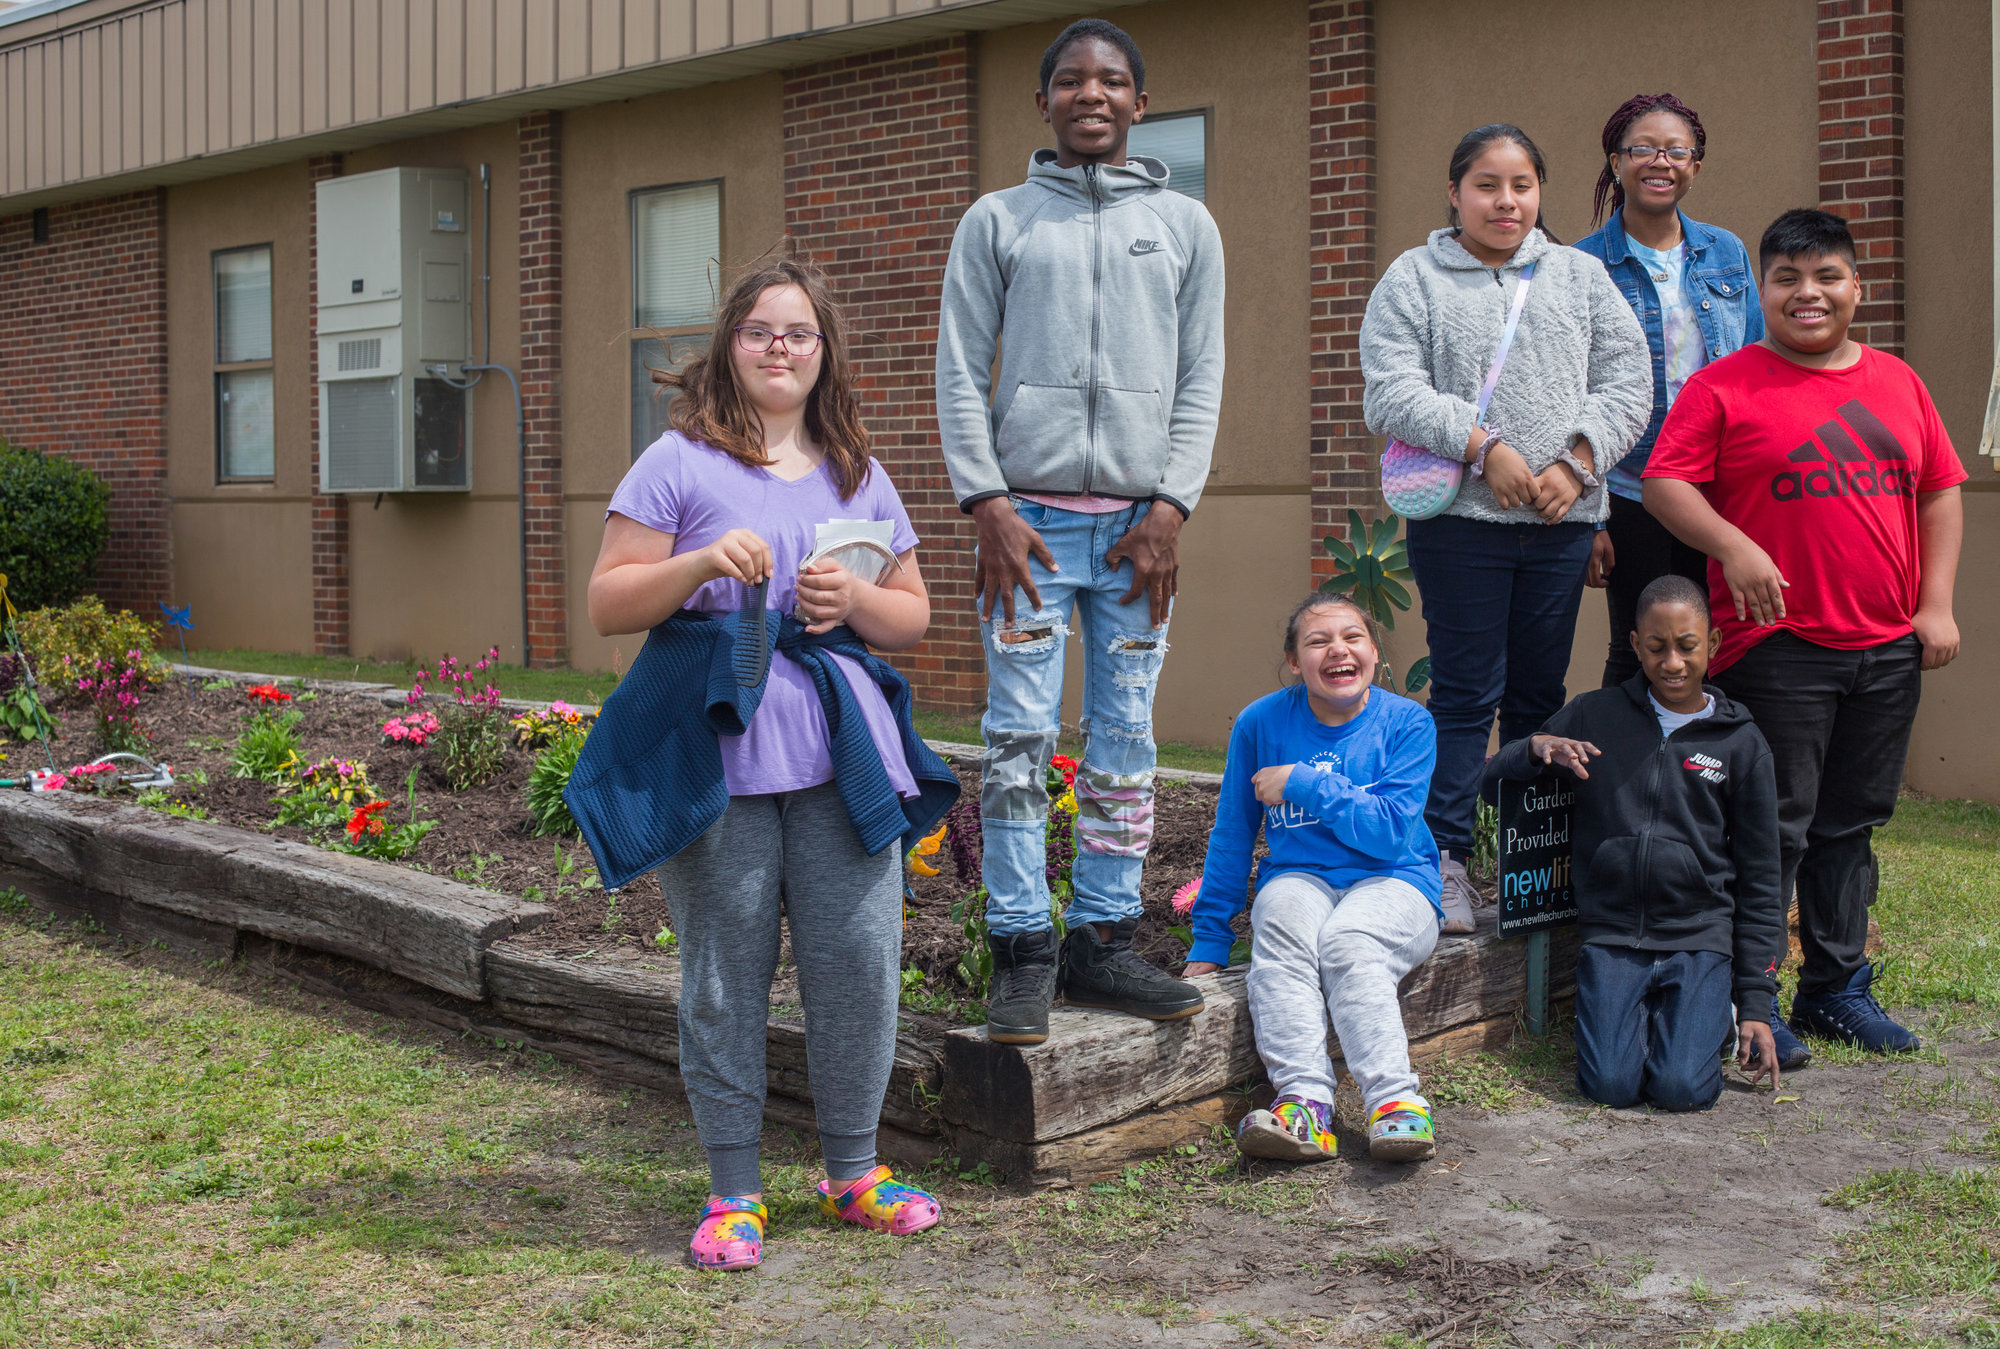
x: 1860, y: 53
x: 329, y: 513
x: 879, y: 166
x: 540, y: 144
x: 83, y: 369
x: 1340, y: 177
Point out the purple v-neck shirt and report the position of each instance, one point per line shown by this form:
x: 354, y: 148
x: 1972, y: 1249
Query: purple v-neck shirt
x: 697, y: 494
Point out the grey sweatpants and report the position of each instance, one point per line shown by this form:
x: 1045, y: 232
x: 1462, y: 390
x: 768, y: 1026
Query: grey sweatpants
x: 846, y: 915
x: 1318, y: 952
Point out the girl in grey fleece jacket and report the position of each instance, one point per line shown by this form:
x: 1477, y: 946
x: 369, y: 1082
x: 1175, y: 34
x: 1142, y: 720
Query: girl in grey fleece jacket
x: 1501, y: 583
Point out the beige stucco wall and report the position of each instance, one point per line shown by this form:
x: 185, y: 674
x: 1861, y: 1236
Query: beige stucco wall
x: 1244, y: 558
x: 733, y: 132
x: 1949, y: 184
x: 242, y: 554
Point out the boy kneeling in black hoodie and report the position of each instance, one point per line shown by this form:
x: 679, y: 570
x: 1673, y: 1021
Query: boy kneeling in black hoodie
x: 1675, y: 832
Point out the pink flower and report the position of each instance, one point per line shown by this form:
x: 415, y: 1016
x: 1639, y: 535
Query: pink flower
x: 1185, y: 896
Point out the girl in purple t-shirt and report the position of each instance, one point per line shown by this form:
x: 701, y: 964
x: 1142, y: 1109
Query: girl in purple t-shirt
x: 767, y: 443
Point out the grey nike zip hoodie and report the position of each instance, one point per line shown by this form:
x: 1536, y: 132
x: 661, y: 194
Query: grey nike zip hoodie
x: 1101, y: 292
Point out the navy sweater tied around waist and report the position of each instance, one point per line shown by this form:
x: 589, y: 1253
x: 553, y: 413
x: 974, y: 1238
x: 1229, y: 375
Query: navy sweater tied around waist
x: 649, y: 780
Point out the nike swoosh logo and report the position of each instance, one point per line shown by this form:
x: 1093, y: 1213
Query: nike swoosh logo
x: 1142, y: 247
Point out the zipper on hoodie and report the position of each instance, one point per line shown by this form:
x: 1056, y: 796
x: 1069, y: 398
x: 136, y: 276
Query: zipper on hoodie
x: 1641, y: 863
x: 1096, y: 311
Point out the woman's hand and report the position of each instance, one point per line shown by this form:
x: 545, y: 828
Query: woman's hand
x: 1194, y: 967
x: 1507, y: 474
x: 1571, y: 754
x: 1269, y: 783
x: 1755, y: 583
x: 1603, y: 557
x: 738, y: 555
x: 827, y: 593
x: 1558, y: 490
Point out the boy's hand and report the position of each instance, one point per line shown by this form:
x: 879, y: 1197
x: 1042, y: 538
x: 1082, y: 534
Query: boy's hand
x: 1194, y: 967
x: 1939, y: 634
x: 1153, y: 547
x: 1507, y: 473
x: 826, y: 595
x: 1269, y: 784
x: 1756, y: 1051
x: 1755, y: 584
x: 1603, y: 557
x: 1556, y: 750
x: 1005, y: 543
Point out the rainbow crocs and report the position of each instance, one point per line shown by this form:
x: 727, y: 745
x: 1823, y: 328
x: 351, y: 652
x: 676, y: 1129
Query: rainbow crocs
x: 730, y: 1234
x: 1292, y: 1130
x: 1401, y: 1131
x: 878, y: 1201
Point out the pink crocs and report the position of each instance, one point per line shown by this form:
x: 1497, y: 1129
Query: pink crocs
x: 876, y: 1200
x: 730, y: 1234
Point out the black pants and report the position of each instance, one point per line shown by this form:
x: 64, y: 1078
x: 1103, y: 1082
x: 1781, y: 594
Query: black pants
x: 1642, y: 552
x: 1838, y: 723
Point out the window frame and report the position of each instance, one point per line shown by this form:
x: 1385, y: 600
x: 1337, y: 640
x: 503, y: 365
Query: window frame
x: 219, y: 368
x: 636, y: 333
x: 1205, y: 111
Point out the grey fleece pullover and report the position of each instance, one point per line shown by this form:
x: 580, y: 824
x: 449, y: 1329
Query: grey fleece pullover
x: 1579, y: 365
x: 1102, y: 293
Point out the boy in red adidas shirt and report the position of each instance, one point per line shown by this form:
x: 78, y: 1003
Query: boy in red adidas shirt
x: 1815, y: 473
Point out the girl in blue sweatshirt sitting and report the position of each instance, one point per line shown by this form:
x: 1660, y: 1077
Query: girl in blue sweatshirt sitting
x: 1336, y: 771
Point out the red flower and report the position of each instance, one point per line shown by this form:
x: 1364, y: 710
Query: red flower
x: 1065, y: 765
x: 364, y: 821
x: 267, y: 693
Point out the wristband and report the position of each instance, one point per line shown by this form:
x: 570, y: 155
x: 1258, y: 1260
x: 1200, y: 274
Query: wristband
x: 1583, y: 475
x: 1478, y: 469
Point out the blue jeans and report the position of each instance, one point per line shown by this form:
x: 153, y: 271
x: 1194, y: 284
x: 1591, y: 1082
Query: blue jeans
x: 1500, y: 606
x: 1650, y: 1026
x: 1122, y: 653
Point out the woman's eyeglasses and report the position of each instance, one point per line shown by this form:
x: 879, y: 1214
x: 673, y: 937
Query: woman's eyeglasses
x: 1680, y: 156
x: 761, y: 340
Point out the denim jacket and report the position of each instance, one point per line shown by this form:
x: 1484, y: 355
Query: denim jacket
x: 1720, y: 279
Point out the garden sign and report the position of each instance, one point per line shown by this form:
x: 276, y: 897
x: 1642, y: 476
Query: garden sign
x: 1537, y: 890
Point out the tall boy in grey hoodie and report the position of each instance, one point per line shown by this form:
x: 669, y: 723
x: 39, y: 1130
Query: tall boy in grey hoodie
x: 1101, y: 293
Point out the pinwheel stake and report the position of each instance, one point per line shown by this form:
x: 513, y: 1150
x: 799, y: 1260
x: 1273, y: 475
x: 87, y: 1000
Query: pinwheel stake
x: 178, y: 620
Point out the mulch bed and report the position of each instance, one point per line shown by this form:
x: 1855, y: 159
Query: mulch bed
x: 484, y: 835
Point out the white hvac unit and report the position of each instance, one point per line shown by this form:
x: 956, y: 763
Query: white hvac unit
x: 395, y: 272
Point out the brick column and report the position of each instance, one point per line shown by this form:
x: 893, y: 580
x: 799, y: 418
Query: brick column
x: 1340, y: 172
x: 880, y: 163
x: 1860, y: 52
x: 540, y: 143
x: 83, y: 370
x: 329, y: 511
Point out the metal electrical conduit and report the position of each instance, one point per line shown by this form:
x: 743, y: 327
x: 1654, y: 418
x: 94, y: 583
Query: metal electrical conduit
x: 478, y: 372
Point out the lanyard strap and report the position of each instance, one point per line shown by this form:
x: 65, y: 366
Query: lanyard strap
x: 1506, y: 339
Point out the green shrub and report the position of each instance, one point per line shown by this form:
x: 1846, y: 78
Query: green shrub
x: 546, y: 782
x: 472, y: 745
x: 54, y: 521
x: 268, y: 748
x: 65, y: 644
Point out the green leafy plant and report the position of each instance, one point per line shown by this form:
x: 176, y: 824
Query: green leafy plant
x: 157, y: 798
x: 546, y: 781
x: 65, y: 644
x: 323, y: 795
x: 22, y: 715
x: 54, y: 521
x: 666, y: 940
x: 369, y: 835
x: 975, y: 963
x: 1485, y: 839
x: 268, y: 746
x: 472, y: 730
x: 566, y: 867
x: 1372, y: 566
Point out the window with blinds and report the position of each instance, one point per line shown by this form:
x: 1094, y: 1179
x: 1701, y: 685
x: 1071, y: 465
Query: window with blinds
x: 245, y: 427
x: 676, y: 245
x: 1180, y: 141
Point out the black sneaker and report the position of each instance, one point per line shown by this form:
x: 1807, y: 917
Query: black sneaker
x: 1792, y: 1052
x: 1853, y: 1015
x: 1111, y: 974
x: 1024, y: 984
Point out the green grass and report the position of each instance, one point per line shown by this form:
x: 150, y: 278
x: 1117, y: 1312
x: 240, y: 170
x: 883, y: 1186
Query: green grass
x: 1818, y: 1329
x: 1932, y: 1234
x: 1940, y: 870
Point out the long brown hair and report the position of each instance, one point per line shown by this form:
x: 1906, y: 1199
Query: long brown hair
x: 711, y: 407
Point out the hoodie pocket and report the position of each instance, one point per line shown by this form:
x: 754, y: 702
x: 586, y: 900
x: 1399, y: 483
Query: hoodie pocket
x: 1680, y: 899
x: 1131, y: 441
x: 1042, y: 437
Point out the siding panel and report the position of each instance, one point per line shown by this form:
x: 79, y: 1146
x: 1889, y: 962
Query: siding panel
x: 88, y: 99
x: 264, y: 68
x: 367, y: 60
x: 572, y: 39
x: 13, y: 79
x: 750, y: 20
x: 831, y: 13
x: 790, y: 16
x: 314, y: 62
x: 423, y: 53
x: 711, y: 25
x: 132, y: 89
x: 288, y: 67
x: 242, y: 67
x: 69, y: 108
x: 339, y: 62
x: 676, y: 29
x: 642, y: 32
x: 392, y: 47
x: 215, y: 83
x: 454, y: 49
x: 607, y: 36
x: 34, y: 117
x: 174, y: 79
x: 540, y: 43
x: 510, y: 48
x: 481, y: 35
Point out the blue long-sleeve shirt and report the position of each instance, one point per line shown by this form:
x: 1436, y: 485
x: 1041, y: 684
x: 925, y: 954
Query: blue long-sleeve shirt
x: 1354, y: 805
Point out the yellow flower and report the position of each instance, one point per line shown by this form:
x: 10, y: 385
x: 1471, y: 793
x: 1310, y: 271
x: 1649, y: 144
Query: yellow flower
x: 1067, y: 805
x: 927, y: 847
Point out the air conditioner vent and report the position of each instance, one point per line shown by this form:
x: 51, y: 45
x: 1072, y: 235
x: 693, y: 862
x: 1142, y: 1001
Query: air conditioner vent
x: 362, y: 440
x: 365, y: 354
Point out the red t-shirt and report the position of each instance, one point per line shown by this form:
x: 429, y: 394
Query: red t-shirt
x: 1821, y: 469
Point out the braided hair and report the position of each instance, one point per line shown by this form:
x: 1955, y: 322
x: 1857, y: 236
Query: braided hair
x: 1631, y: 110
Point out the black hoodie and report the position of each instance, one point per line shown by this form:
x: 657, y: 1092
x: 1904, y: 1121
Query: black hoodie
x: 1675, y: 837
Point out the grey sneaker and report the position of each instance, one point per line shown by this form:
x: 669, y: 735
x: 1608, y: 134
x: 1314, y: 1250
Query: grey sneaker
x: 1459, y: 897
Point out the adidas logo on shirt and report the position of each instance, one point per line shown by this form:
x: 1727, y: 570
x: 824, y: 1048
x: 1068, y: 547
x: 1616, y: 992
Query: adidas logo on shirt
x: 1861, y: 462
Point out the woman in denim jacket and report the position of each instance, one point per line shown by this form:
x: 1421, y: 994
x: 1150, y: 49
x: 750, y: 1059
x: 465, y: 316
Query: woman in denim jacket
x: 1695, y: 293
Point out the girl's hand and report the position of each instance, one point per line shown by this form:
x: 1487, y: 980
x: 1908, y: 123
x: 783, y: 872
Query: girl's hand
x: 1755, y: 584
x: 1507, y: 474
x: 1571, y: 754
x: 1603, y: 557
x: 1558, y: 491
x: 1194, y: 967
x: 826, y: 595
x: 1269, y: 783
x: 739, y: 555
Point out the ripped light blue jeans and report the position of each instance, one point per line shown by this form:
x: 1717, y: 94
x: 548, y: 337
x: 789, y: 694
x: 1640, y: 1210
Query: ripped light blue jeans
x: 1122, y: 653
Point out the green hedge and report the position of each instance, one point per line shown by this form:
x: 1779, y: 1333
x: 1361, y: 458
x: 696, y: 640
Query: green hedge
x: 54, y: 522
